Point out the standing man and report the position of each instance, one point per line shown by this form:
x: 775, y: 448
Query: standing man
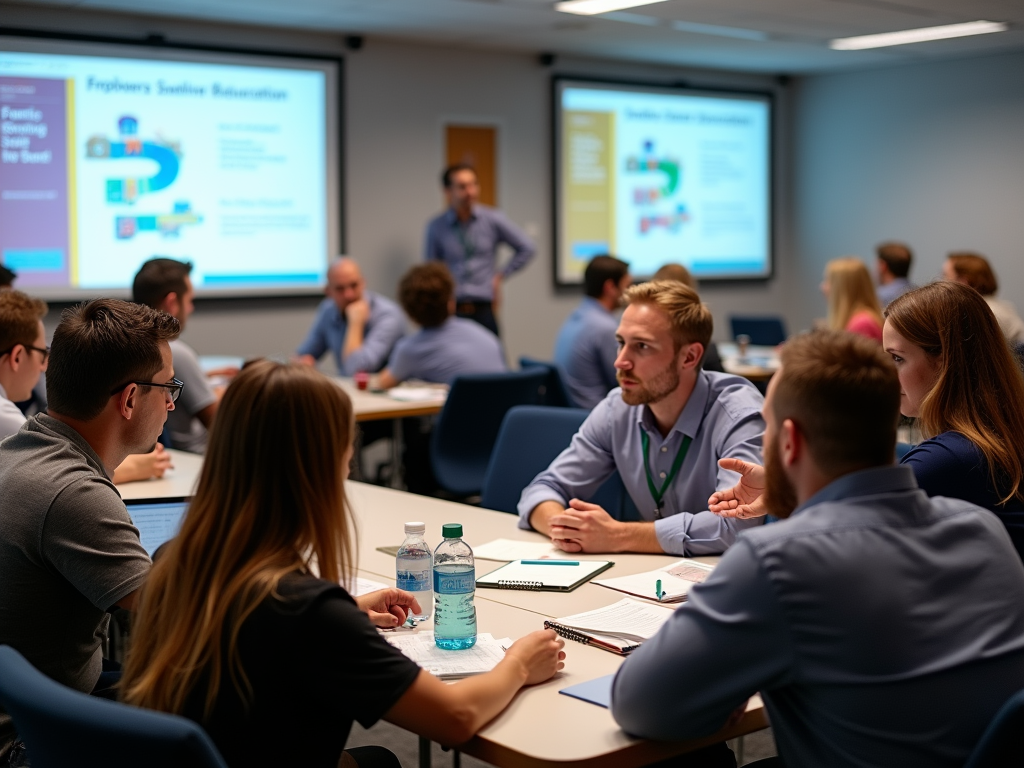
x: 359, y: 327
x: 466, y: 237
x: 894, y: 261
x: 165, y: 285
x: 585, y: 348
x: 664, y: 431
x: 68, y: 550
x: 880, y: 626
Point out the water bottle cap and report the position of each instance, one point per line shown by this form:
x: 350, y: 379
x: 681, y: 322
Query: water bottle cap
x: 452, y: 530
x: 415, y: 528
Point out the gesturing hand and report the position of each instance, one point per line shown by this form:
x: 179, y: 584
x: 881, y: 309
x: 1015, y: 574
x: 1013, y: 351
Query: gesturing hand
x: 743, y: 500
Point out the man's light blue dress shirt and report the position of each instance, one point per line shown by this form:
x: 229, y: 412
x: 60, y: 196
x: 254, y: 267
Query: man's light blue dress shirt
x: 723, y: 419
x: 385, y: 326
x: 470, y: 250
x: 890, y: 291
x: 881, y: 627
x: 585, y: 350
x: 455, y: 347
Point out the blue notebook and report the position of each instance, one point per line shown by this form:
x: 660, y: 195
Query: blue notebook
x: 597, y: 691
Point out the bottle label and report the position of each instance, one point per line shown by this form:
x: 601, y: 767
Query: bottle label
x: 455, y: 583
x: 414, y: 581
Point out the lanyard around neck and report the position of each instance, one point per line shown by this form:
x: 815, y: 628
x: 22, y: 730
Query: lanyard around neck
x: 658, y: 495
x: 468, y: 248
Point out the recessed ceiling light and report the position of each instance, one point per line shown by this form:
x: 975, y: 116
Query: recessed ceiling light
x: 917, y: 35
x: 594, y: 7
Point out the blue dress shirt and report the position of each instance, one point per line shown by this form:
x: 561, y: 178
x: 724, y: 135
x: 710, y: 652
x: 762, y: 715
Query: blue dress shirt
x: 951, y: 465
x: 881, y: 627
x: 385, y: 326
x: 895, y: 289
x: 586, y: 350
x: 723, y: 419
x: 455, y: 347
x: 470, y: 250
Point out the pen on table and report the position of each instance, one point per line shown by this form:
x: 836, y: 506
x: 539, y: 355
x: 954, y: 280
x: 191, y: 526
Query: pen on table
x: 550, y: 562
x: 657, y: 590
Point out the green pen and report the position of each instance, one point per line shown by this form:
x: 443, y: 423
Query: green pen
x: 657, y: 590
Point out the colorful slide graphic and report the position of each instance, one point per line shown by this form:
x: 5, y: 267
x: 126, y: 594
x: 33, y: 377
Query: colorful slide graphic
x: 168, y: 224
x: 646, y: 196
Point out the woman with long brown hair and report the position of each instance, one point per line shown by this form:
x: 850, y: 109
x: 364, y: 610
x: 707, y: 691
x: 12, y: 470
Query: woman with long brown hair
x: 974, y: 270
x: 852, y: 302
x: 235, y: 632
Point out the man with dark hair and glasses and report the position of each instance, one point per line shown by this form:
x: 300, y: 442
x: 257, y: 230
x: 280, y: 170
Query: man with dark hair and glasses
x: 69, y: 552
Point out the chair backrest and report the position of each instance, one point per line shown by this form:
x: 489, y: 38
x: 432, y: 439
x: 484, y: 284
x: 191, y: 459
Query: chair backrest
x: 530, y: 439
x: 763, y: 331
x: 1002, y: 744
x: 63, y: 727
x: 464, y: 435
x: 555, y: 391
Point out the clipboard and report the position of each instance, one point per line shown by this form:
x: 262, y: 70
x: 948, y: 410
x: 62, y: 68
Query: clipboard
x: 553, y: 576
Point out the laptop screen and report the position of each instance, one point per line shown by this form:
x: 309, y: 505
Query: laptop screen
x: 158, y: 520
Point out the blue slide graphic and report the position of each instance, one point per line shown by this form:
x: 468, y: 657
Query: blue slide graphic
x: 165, y: 154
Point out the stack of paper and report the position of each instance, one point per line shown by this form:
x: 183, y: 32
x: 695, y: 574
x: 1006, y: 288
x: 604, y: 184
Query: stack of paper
x: 451, y: 665
x: 618, y: 628
x: 676, y: 580
x: 510, y: 549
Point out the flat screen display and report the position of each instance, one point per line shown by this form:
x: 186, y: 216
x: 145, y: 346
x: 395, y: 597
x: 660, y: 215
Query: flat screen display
x: 654, y: 175
x: 113, y: 154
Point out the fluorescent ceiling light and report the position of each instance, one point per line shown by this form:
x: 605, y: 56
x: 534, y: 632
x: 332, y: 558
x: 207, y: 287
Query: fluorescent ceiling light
x: 715, y: 29
x: 917, y: 35
x: 594, y: 7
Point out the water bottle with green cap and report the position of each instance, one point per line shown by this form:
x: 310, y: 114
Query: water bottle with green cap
x: 454, y: 588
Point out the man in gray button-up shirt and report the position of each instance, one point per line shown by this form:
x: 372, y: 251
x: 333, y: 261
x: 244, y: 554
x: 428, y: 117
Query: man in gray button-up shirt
x: 880, y: 626
x: 664, y: 431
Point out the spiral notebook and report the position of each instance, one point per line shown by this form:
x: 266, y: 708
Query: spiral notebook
x: 619, y: 628
x: 547, y: 576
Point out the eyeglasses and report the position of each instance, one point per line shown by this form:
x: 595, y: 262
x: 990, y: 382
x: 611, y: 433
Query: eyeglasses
x: 44, y: 351
x: 174, y: 387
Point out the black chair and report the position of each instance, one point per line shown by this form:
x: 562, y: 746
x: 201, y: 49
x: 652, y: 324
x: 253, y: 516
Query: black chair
x: 63, y: 727
x: 1002, y: 744
x: 530, y: 439
x: 555, y: 391
x: 465, y: 432
x: 763, y: 331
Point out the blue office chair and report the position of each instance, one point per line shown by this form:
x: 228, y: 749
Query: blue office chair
x: 529, y: 440
x: 63, y: 727
x: 1002, y: 744
x: 555, y: 391
x: 902, y: 449
x: 465, y: 432
x: 763, y: 331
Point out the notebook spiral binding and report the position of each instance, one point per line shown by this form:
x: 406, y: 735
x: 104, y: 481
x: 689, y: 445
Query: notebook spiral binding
x: 513, y: 584
x: 567, y: 632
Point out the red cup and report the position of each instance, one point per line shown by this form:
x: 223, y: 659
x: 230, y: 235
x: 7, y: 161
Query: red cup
x: 362, y: 379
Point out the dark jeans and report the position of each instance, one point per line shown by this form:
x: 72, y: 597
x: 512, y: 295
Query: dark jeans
x: 374, y: 757
x: 481, y: 311
x: 716, y: 756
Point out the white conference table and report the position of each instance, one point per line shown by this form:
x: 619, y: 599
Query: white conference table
x: 541, y: 727
x: 758, y: 364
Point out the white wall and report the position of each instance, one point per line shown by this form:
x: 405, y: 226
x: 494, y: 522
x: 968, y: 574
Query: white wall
x: 398, y: 96
x: 930, y: 154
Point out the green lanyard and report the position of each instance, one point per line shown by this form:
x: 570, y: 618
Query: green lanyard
x: 468, y: 248
x: 680, y: 457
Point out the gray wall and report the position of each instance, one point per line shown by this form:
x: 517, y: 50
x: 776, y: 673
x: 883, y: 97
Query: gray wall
x: 398, y: 96
x: 930, y: 154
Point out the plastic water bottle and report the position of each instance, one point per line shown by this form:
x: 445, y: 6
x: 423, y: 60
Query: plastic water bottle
x: 414, y: 568
x: 454, y: 587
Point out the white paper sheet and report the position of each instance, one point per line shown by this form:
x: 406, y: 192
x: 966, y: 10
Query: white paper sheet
x: 627, y: 618
x: 361, y: 586
x: 507, y: 550
x: 448, y: 665
x: 676, y: 579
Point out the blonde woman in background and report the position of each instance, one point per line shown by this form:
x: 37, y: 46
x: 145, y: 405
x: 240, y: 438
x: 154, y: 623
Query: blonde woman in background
x: 852, y: 302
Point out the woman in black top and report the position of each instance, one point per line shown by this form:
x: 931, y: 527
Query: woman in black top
x: 235, y: 632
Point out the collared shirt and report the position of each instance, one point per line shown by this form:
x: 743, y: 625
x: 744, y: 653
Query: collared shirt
x: 455, y: 347
x: 11, y: 417
x: 384, y: 327
x: 723, y: 419
x: 881, y: 627
x: 586, y: 350
x: 186, y: 430
x: 1009, y: 321
x: 886, y: 293
x: 470, y: 250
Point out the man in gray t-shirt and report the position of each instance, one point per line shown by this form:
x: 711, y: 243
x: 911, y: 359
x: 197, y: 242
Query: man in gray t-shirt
x: 68, y: 550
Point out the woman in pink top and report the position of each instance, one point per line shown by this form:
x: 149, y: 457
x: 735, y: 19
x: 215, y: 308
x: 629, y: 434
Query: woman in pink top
x: 852, y: 303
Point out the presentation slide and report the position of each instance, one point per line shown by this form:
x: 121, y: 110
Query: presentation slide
x: 658, y: 175
x: 107, y: 161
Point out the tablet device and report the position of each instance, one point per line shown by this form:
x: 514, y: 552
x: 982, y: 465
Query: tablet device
x: 158, y: 520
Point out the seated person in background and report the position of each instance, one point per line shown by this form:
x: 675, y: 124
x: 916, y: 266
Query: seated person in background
x: 7, y: 277
x: 68, y: 550
x: 893, y: 267
x: 836, y: 615
x: 23, y: 357
x: 445, y: 346
x: 852, y: 303
x: 585, y: 348
x: 672, y: 271
x: 165, y: 285
x: 975, y: 271
x: 664, y: 431
x: 357, y: 326
x: 962, y: 384
x: 270, y: 505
